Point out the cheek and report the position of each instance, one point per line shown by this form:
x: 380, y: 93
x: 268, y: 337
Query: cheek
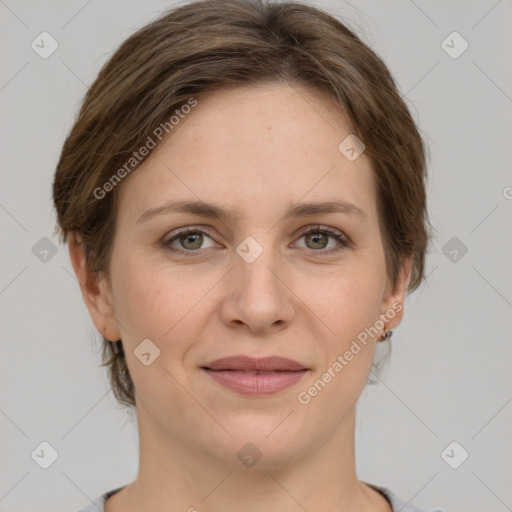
x: 348, y: 354
x: 151, y: 306
x: 140, y: 298
x: 349, y: 303
x: 156, y: 303
x: 350, y: 310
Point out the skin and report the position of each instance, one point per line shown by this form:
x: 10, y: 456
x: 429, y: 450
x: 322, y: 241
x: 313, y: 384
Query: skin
x: 256, y: 151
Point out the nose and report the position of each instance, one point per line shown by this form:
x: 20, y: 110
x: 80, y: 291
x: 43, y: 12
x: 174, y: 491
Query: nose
x: 257, y: 297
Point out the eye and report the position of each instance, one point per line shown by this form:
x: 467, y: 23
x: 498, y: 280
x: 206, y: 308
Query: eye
x: 188, y: 240
x: 317, y: 239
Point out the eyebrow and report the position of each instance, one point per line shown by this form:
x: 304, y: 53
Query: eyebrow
x: 214, y: 211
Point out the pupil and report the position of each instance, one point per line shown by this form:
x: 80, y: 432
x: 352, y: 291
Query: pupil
x: 196, y: 245
x: 315, y: 237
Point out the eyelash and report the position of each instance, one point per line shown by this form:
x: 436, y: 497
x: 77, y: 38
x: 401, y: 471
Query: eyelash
x: 342, y: 240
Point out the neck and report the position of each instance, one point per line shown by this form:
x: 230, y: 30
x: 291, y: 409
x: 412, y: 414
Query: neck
x: 174, y: 476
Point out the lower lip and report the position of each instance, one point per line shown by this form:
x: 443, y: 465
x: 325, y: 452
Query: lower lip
x: 253, y: 383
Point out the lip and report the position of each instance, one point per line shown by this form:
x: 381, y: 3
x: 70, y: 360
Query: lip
x: 264, y: 364
x: 255, y: 376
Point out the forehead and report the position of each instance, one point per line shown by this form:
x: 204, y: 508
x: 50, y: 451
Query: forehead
x: 258, y: 147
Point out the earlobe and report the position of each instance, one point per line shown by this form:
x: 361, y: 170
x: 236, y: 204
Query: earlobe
x: 95, y: 290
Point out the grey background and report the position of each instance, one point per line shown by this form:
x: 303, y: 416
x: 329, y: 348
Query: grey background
x: 449, y: 378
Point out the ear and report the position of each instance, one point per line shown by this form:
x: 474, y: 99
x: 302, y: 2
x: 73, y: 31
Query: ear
x: 395, y: 294
x: 95, y: 290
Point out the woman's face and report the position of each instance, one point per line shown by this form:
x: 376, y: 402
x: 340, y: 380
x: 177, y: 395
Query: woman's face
x: 252, y: 283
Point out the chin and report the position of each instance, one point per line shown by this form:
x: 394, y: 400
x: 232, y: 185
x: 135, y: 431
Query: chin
x: 258, y: 445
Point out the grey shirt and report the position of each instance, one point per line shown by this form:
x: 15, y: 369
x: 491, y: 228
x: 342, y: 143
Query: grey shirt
x: 396, y: 504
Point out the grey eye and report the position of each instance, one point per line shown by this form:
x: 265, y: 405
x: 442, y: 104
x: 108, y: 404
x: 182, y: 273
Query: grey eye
x: 189, y: 240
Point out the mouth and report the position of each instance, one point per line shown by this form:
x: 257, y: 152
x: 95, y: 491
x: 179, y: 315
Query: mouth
x: 255, y: 376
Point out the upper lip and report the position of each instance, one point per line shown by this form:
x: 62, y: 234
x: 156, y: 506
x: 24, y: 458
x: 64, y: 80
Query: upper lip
x: 241, y: 362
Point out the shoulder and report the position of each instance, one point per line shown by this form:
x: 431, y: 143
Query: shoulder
x: 98, y: 504
x: 397, y: 504
x: 95, y: 506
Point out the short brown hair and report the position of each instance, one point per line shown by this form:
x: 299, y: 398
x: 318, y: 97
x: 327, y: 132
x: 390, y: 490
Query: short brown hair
x: 206, y: 45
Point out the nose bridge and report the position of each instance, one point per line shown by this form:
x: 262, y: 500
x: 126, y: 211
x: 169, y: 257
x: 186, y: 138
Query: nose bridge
x: 256, y: 259
x: 258, y: 296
